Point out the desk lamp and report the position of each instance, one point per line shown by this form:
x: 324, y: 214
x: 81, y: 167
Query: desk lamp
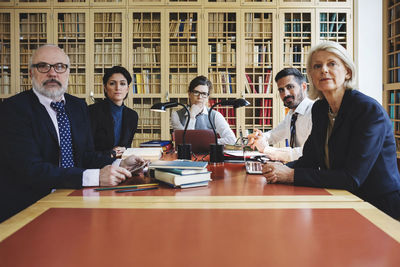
x: 184, y: 150
x: 217, y: 151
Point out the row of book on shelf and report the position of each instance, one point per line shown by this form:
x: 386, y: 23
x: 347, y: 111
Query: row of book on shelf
x: 222, y: 53
x: 178, y: 82
x: 5, y: 83
x: 146, y: 116
x: 258, y: 25
x: 223, y: 82
x: 258, y: 83
x: 394, y: 109
x: 221, y: 23
x: 146, y: 28
x: 262, y: 54
x: 183, y: 27
x: 71, y: 23
x: 146, y: 55
x: 183, y: 54
x: 265, y: 112
x: 146, y: 82
x: 394, y: 62
x: 107, y: 23
x: 227, y: 112
x: 295, y: 53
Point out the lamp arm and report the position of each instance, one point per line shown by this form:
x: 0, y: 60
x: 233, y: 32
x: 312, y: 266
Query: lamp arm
x: 187, y: 123
x: 212, y: 125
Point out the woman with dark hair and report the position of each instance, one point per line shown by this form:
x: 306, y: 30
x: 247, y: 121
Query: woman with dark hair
x: 199, y: 91
x: 113, y: 124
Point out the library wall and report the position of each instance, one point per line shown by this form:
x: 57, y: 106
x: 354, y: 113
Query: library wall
x: 391, y: 62
x: 239, y: 45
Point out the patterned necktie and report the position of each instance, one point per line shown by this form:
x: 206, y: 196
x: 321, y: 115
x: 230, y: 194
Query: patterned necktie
x: 293, y: 129
x: 64, y: 129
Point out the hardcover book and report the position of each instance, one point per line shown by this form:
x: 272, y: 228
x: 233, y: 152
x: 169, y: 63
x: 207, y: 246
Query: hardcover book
x: 177, y: 180
x: 178, y: 164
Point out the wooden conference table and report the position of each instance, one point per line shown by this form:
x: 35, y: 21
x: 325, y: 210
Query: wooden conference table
x: 237, y: 220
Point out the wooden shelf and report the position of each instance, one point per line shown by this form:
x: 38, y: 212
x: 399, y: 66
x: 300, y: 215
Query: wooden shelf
x: 164, y: 47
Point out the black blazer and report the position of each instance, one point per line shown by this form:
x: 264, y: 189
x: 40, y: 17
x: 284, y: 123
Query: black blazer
x: 30, y: 152
x: 102, y: 125
x: 362, y: 150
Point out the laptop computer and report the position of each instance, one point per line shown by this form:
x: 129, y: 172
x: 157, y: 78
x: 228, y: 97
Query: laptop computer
x: 200, y: 139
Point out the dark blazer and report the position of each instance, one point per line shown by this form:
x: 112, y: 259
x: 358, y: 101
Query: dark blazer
x: 29, y: 157
x: 103, y: 126
x: 362, y: 150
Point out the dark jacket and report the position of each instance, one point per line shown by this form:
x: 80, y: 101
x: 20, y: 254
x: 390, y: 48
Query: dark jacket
x: 362, y: 150
x: 102, y: 125
x: 30, y: 152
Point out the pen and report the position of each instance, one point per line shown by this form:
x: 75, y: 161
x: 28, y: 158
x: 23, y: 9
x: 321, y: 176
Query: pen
x: 124, y: 187
x: 136, y: 189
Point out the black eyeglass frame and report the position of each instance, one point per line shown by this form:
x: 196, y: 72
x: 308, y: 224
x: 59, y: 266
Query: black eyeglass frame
x: 49, y: 66
x: 201, y: 94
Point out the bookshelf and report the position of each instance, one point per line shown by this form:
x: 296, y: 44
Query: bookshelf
x: 239, y: 48
x: 5, y: 54
x: 32, y: 32
x: 222, y: 38
x: 71, y: 36
x: 107, y: 45
x: 145, y: 60
x: 391, y: 72
x: 259, y: 61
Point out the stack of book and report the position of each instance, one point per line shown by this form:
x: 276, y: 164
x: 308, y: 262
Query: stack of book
x: 166, y: 145
x: 181, y: 174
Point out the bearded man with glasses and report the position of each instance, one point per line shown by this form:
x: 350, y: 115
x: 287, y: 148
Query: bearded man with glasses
x: 45, y: 139
x: 199, y: 92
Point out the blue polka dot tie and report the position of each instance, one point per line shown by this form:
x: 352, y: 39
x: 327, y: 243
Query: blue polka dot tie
x: 64, y: 129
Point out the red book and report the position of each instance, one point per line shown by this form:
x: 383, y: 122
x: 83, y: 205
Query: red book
x: 267, y: 82
x: 250, y: 83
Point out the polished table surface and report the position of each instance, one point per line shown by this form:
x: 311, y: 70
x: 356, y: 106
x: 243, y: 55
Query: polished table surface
x: 229, y: 183
x: 201, y: 234
x: 238, y: 220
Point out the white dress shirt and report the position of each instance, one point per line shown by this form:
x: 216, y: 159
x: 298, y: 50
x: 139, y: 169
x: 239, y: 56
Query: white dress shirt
x: 90, y: 177
x: 221, y: 126
x: 303, y: 129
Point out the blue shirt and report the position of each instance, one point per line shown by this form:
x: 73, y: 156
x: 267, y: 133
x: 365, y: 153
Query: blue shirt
x: 116, y: 113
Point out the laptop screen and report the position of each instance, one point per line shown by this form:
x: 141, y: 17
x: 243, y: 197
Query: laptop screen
x: 200, y: 139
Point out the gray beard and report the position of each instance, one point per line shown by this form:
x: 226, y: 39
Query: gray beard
x: 53, y: 94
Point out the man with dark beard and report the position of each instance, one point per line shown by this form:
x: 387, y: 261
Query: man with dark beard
x: 296, y: 126
x: 45, y: 139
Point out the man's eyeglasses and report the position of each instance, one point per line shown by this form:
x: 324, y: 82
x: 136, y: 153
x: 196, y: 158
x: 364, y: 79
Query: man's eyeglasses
x: 45, y: 67
x: 202, y: 94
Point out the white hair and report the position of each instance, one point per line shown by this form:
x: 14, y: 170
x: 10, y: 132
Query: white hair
x: 339, y: 51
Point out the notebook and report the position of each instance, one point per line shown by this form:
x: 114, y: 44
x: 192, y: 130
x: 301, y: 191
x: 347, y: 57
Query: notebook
x: 200, y: 139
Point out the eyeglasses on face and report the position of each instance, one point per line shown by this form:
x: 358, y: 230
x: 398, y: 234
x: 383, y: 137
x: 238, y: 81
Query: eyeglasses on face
x: 202, y: 94
x: 43, y: 67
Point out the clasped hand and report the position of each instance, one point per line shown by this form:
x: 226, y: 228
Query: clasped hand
x: 276, y: 172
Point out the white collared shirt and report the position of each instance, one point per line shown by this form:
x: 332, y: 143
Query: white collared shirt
x: 90, y: 177
x: 303, y: 129
x: 221, y: 126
